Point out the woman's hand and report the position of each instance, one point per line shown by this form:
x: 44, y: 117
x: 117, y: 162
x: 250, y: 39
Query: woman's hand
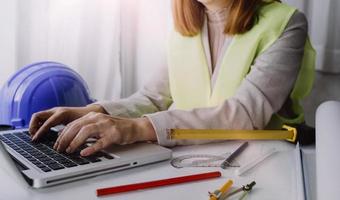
x: 108, y: 130
x: 41, y: 122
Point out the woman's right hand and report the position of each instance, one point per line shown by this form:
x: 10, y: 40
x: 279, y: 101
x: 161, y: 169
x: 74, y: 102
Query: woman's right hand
x: 41, y: 122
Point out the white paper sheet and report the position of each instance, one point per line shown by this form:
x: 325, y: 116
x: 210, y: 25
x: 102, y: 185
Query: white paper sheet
x: 279, y: 177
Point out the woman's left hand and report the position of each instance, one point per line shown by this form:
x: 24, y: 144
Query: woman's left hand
x: 108, y: 130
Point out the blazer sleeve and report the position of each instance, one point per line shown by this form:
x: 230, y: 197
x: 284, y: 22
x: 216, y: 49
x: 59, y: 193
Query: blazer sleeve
x: 153, y: 97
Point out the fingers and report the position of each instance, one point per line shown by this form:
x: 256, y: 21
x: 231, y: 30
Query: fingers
x: 72, y: 130
x: 56, y: 119
x: 65, y: 130
x: 99, y: 145
x: 84, y: 133
x: 37, y: 120
x: 109, y: 131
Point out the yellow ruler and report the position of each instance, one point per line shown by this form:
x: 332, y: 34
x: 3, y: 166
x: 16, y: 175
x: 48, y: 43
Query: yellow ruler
x: 289, y: 134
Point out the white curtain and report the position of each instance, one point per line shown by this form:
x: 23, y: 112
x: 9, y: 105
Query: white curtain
x: 144, y: 28
x: 7, y: 39
x: 324, y: 28
x: 114, y: 44
x: 83, y: 34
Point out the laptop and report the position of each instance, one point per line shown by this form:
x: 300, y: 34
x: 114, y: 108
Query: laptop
x: 41, y: 166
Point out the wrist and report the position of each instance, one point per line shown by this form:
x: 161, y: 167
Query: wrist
x: 96, y: 108
x: 147, y: 132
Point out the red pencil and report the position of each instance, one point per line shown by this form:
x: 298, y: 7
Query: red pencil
x: 157, y: 183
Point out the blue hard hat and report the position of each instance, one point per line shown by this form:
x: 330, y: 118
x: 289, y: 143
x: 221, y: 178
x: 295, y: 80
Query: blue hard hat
x: 38, y: 87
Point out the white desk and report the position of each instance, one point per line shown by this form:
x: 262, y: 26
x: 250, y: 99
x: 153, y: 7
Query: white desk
x: 276, y: 178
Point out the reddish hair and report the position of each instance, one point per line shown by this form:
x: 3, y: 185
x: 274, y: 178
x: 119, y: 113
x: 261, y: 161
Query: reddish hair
x: 189, y: 16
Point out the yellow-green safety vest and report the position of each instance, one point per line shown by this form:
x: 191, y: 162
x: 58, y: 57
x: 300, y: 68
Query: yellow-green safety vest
x: 189, y: 77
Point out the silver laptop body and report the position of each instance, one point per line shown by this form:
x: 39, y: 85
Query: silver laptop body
x: 38, y: 176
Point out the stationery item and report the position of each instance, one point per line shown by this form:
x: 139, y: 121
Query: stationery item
x: 246, y: 189
x: 289, y: 134
x: 231, y: 158
x: 201, y: 160
x: 157, y: 183
x: 218, y: 193
x: 255, y: 162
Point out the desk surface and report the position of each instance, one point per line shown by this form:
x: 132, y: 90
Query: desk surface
x: 276, y: 178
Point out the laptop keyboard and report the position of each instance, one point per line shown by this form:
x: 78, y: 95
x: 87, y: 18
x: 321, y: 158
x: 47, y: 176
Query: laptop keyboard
x: 44, y: 156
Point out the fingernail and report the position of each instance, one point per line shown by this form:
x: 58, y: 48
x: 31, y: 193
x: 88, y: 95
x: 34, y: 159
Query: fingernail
x: 68, y: 150
x: 83, y: 153
x: 55, y: 146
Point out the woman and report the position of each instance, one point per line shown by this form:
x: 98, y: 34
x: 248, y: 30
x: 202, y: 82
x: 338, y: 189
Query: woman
x: 232, y: 64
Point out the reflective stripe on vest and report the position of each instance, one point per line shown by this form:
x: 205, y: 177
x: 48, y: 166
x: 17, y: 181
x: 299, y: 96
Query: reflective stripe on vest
x: 189, y: 76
